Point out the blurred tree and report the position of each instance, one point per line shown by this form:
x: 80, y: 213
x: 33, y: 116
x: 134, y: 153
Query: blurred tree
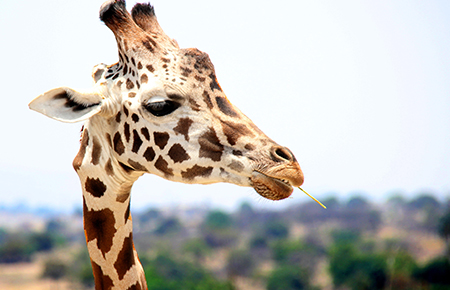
x: 276, y: 229
x: 3, y: 236
x: 349, y: 267
x: 245, y: 216
x: 167, y: 226
x: 345, y: 236
x: 166, y: 273
x: 43, y: 242
x: 444, y: 226
x: 296, y: 254
x: 198, y: 248
x: 357, y: 202
x: 81, y: 269
x: 342, y: 257
x: 288, y: 278
x: 425, y: 211
x: 331, y: 202
x: 16, y: 248
x: 402, y: 266
x: 424, y: 201
x: 55, y: 226
x: 436, y: 273
x: 55, y: 269
x: 258, y: 242
x: 397, y: 200
x: 217, y: 229
x: 218, y: 220
x: 150, y: 214
x: 240, y: 263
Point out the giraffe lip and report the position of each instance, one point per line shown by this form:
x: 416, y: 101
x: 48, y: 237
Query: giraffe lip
x: 270, y: 187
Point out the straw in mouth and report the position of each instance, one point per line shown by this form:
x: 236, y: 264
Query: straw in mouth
x: 312, y: 198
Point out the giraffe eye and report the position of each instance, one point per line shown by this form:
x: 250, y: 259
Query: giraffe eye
x: 161, y: 107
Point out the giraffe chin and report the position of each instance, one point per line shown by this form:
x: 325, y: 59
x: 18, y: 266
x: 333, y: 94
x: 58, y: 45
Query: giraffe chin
x: 270, y: 187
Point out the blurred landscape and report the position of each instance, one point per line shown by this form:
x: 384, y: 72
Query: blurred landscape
x: 400, y: 243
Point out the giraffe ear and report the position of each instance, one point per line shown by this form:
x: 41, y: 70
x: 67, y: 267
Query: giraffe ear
x: 67, y: 105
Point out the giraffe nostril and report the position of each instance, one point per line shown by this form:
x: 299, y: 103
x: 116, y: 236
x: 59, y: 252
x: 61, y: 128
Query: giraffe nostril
x: 282, y: 154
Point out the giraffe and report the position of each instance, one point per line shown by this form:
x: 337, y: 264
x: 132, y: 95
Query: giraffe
x: 158, y: 110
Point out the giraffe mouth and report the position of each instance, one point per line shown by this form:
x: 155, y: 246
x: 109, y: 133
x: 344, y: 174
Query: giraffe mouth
x: 270, y: 187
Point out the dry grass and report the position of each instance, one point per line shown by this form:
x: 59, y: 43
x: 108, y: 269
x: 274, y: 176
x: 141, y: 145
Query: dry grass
x: 28, y: 276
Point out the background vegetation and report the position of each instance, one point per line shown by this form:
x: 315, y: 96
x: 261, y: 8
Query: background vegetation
x: 354, y: 244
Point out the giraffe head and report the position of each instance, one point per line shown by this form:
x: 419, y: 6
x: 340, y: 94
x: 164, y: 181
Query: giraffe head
x: 161, y: 110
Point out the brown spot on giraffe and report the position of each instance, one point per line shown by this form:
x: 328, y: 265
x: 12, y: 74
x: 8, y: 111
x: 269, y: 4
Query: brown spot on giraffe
x: 125, y: 259
x: 99, y: 225
x: 249, y: 147
x: 210, y: 146
x: 139, y: 66
x: 95, y: 187
x: 101, y: 281
x: 135, y: 118
x: 131, y: 95
x: 183, y: 127
x: 207, y: 99
x: 118, y: 144
x: 130, y: 84
x: 150, y: 68
x: 96, y: 151
x: 108, y: 139
x: 135, y: 287
x: 163, y: 166
x: 98, y: 74
x: 127, y: 215
x: 137, y: 165
x: 126, y: 168
x: 178, y: 154
x: 137, y: 142
x: 109, y: 168
x: 226, y: 107
x: 149, y: 154
x: 126, y: 131
x: 214, y: 85
x: 144, y: 78
x: 122, y: 197
x: 195, y: 171
x: 80, y: 156
x: 118, y: 117
x: 161, y: 139
x: 233, y: 131
x: 200, y: 78
x: 194, y: 105
x: 185, y: 71
x: 146, y: 134
x: 236, y: 166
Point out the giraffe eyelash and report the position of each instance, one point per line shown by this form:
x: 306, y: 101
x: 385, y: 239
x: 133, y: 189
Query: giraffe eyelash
x: 159, y: 106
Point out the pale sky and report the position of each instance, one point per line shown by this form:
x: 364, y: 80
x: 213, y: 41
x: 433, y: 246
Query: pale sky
x: 358, y: 90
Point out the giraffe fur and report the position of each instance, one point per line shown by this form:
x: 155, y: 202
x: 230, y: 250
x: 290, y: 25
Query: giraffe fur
x: 160, y: 110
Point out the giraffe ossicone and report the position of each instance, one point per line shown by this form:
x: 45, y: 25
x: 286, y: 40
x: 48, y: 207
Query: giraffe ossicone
x: 159, y: 110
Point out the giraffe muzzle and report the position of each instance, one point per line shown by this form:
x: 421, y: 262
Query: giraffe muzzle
x: 276, y: 188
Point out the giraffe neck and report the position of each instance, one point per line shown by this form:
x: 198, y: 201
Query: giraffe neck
x: 106, y: 211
